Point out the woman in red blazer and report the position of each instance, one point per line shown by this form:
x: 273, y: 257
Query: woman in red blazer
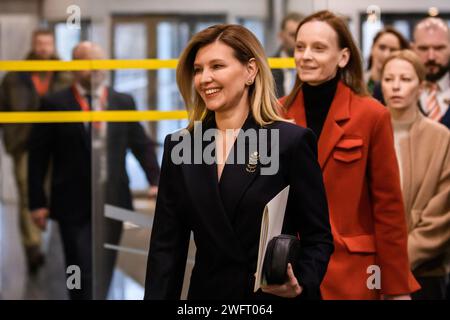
x: 357, y: 157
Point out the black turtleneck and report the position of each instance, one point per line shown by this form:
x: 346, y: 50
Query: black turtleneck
x: 317, y: 101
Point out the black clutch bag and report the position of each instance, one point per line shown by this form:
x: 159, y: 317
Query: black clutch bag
x: 280, y: 251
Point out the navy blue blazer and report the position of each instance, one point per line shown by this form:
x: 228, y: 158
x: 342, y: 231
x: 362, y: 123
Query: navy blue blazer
x: 278, y: 77
x: 446, y: 118
x: 225, y: 217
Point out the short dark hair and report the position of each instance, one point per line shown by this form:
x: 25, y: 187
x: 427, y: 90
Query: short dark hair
x: 42, y: 32
x: 294, y: 16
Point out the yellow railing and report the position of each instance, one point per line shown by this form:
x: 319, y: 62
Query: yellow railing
x: 90, y: 116
x: 147, y: 64
x: 103, y: 116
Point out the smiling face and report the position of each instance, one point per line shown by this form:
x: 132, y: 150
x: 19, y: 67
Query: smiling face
x: 317, y: 54
x: 382, y: 48
x: 400, y: 84
x: 220, y: 79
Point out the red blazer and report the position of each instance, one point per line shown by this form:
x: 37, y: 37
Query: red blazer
x: 361, y: 176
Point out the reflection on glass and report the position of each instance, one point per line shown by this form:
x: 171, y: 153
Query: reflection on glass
x: 171, y: 38
x: 369, y: 30
x: 66, y: 40
x: 130, y: 42
x: 256, y: 26
x: 403, y: 27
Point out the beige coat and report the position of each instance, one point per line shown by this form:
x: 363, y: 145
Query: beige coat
x: 425, y: 165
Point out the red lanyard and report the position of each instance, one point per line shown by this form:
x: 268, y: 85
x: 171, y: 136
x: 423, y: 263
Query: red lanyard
x: 41, y: 86
x: 84, y: 103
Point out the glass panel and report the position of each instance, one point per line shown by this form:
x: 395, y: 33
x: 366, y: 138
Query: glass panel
x: 130, y: 42
x: 403, y: 27
x: 115, y: 169
x: 171, y: 38
x: 256, y: 26
x: 120, y: 232
x: 369, y: 30
x: 66, y: 40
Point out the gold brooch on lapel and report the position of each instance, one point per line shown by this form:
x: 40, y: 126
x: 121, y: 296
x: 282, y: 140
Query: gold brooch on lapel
x: 253, y: 162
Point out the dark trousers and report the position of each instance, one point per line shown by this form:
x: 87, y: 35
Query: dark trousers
x: 448, y: 288
x: 77, y: 245
x: 433, y: 288
x: 106, y: 259
x: 78, y: 248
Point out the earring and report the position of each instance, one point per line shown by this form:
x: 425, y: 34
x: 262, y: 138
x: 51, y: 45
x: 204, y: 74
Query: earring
x: 249, y: 82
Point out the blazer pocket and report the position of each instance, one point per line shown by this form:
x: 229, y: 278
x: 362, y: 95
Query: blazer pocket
x: 364, y: 243
x: 348, y: 150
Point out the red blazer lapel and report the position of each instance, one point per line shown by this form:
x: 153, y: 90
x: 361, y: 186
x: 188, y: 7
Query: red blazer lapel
x: 297, y: 110
x: 332, y: 131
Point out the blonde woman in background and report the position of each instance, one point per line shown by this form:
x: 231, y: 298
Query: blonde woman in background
x: 423, y: 153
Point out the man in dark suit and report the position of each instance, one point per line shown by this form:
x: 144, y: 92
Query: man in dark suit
x: 88, y: 170
x: 432, y: 44
x: 20, y: 91
x: 285, y: 78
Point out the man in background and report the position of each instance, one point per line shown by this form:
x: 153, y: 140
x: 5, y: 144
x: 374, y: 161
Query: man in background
x: 432, y: 44
x: 88, y: 163
x: 21, y: 91
x: 285, y: 78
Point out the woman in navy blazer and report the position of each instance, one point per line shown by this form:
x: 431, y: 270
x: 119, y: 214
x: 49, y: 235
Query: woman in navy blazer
x: 227, y: 86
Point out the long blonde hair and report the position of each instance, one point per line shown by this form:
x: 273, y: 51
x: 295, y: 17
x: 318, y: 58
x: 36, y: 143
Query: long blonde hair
x: 264, y: 105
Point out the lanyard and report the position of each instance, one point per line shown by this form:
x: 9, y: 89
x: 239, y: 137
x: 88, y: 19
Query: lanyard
x: 41, y: 85
x: 84, y: 103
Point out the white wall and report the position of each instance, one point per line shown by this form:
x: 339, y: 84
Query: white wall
x: 55, y: 9
x: 19, y: 6
x: 100, y: 11
x: 353, y: 8
x: 21, y: 36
